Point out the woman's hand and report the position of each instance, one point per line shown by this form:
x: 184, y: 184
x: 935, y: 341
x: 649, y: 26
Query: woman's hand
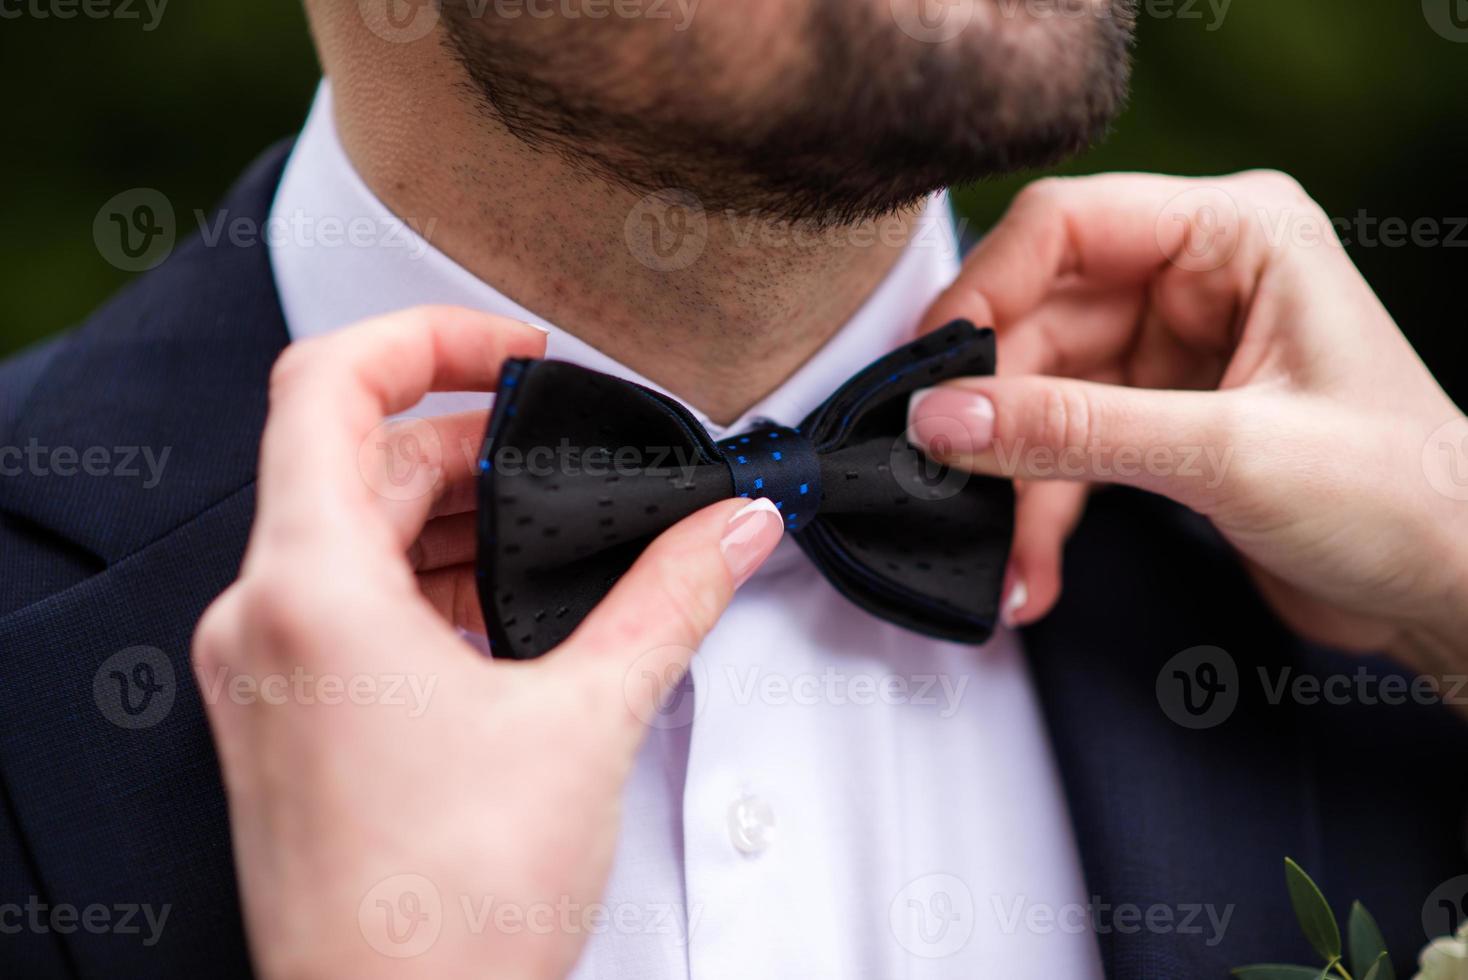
x: 400, y: 805
x: 1209, y: 340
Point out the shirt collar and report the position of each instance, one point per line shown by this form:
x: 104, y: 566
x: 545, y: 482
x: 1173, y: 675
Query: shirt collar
x: 339, y: 255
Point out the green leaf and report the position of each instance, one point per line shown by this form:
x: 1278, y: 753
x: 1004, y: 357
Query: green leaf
x: 1367, y: 946
x: 1317, y: 921
x: 1381, y: 969
x: 1276, y: 971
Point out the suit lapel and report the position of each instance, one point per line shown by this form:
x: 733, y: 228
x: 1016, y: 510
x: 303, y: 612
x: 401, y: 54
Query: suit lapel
x: 1170, y: 820
x: 103, y: 742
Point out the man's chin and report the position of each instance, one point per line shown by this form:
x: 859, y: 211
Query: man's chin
x: 878, y: 105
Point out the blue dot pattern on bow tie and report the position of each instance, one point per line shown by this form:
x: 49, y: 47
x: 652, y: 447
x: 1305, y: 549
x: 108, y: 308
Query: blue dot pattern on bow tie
x: 779, y: 463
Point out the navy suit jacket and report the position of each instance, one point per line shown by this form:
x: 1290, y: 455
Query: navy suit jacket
x: 1370, y: 798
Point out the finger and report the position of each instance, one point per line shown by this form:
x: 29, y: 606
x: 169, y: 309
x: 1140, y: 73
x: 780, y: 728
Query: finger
x: 660, y: 611
x: 445, y: 541
x: 1187, y: 246
x: 453, y: 592
x: 1046, y: 513
x: 328, y: 395
x: 419, y: 468
x: 1112, y: 228
x: 1160, y: 358
x: 1077, y: 332
x: 463, y: 438
x: 1177, y: 443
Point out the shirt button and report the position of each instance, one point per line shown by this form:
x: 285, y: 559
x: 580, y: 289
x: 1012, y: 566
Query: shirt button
x: 751, y: 825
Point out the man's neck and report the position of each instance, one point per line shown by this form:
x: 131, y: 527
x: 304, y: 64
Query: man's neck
x: 717, y: 308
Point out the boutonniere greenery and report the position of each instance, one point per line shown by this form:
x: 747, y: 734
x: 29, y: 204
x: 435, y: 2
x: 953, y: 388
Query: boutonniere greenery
x: 1364, y: 955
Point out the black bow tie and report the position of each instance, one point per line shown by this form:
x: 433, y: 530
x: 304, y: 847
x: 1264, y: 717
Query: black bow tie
x: 580, y: 471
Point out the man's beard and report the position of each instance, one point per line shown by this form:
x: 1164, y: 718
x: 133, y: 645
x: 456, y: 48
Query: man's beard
x: 852, y: 120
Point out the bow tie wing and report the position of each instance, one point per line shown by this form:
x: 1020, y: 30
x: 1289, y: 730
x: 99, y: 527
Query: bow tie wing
x: 918, y: 544
x: 579, y: 472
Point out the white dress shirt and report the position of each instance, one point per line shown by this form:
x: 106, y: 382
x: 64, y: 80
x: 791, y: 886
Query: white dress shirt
x: 835, y: 796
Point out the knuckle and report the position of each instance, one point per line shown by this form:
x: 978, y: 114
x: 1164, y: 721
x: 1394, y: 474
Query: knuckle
x: 1042, y: 193
x: 1067, y: 417
x: 216, y: 637
x: 417, y: 320
x: 1279, y: 182
x: 288, y: 368
x: 281, y: 614
x: 1276, y: 188
x: 425, y: 313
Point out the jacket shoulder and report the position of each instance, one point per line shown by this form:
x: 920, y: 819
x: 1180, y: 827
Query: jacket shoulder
x: 120, y: 430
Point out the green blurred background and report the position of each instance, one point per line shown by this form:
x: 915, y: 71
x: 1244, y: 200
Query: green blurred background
x: 1363, y: 102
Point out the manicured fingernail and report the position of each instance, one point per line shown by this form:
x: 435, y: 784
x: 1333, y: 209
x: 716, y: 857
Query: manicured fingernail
x: 1019, y: 594
x: 751, y: 535
x: 950, y: 421
x: 536, y: 327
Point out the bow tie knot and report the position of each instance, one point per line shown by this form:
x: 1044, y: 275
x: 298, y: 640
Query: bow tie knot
x: 779, y: 463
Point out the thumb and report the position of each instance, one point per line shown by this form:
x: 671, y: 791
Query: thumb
x: 646, y: 629
x: 1176, y: 443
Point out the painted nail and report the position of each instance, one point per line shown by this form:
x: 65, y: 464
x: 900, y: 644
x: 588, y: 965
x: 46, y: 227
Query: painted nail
x: 950, y: 421
x: 750, y: 536
x: 1019, y: 594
